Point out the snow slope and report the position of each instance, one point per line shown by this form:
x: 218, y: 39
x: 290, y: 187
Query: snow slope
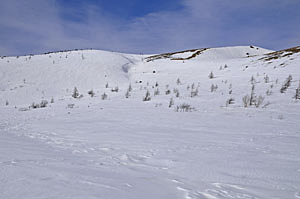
x: 129, y: 148
x: 28, y: 78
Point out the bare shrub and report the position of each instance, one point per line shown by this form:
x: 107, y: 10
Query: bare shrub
x: 246, y: 101
x: 194, y: 93
x: 75, y: 93
x: 297, y: 94
x: 252, y: 80
x: 115, y: 89
x: 213, y: 88
x: 252, y: 96
x: 156, y: 92
x: 269, y: 92
x: 211, y: 75
x: 193, y: 86
x: 129, y: 88
x: 147, y: 96
x: 229, y: 101
x: 104, y: 96
x: 286, y: 84
x: 259, y: 101
x: 184, y: 108
x: 176, y: 91
x: 43, y: 103
x: 267, y: 79
x: 34, y: 105
x: 91, y: 93
x: 127, y: 94
x: 171, y: 102
x: 253, y: 100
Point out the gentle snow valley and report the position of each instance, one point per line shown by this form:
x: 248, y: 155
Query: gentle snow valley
x: 213, y: 123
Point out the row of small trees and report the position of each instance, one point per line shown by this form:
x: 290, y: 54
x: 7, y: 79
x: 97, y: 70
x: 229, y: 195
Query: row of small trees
x: 248, y: 100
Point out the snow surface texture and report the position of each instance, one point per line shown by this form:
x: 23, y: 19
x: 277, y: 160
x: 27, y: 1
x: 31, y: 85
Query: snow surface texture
x: 205, y: 143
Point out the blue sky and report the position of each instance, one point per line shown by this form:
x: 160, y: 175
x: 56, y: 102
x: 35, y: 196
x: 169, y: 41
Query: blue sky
x: 143, y: 26
x: 125, y: 9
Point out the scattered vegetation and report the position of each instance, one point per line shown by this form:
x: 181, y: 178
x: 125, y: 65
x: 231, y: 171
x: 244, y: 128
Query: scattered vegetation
x: 129, y: 88
x: 104, y: 96
x: 176, y: 92
x: 252, y: 80
x: 42, y: 104
x: 168, y: 91
x: 269, y: 92
x: 252, y: 100
x: 75, y: 93
x: 194, y: 92
x: 286, y: 84
x: 213, y: 88
x: 115, y: 89
x: 297, y: 94
x: 229, y: 101
x: 281, y: 53
x: 267, y: 79
x: 156, y: 92
x: 211, y: 75
x: 147, y: 96
x: 171, y: 102
x: 127, y: 94
x: 91, y: 93
x: 169, y: 55
x: 184, y: 108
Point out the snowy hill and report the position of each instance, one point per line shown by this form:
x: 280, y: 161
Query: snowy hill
x: 208, y: 123
x: 33, y: 78
x: 28, y: 78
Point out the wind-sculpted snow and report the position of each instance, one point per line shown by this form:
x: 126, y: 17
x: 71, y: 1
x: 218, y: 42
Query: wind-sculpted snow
x: 199, y: 145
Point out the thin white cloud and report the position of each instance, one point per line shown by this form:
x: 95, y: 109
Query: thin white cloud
x: 36, y: 26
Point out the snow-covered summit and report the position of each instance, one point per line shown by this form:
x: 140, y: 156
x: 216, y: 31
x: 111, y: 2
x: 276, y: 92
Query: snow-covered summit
x: 213, y: 53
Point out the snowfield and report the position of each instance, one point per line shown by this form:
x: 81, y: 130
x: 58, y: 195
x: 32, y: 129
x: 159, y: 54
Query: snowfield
x: 218, y: 123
